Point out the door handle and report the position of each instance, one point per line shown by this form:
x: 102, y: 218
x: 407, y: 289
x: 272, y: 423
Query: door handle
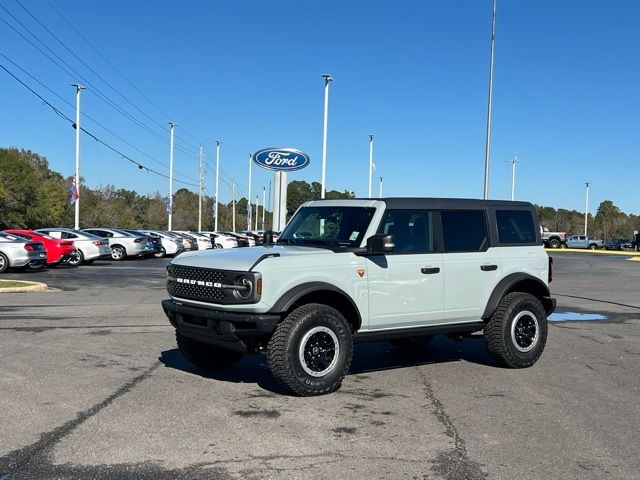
x: 430, y: 270
x: 488, y: 268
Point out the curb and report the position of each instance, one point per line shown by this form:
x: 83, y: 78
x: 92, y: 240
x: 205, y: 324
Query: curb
x: 595, y: 252
x: 32, y: 287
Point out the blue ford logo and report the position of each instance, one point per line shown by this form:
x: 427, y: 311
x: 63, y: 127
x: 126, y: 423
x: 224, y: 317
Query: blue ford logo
x: 283, y: 159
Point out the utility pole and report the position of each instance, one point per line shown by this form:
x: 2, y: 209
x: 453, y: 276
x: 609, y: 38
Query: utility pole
x: 269, y: 208
x: 513, y: 176
x: 249, y: 197
x: 79, y: 88
x: 264, y: 195
x: 256, y: 221
x: 586, y: 209
x: 233, y: 197
x: 200, y: 188
x: 371, y: 166
x: 327, y: 79
x: 218, y: 142
x: 487, y: 147
x: 172, y: 126
x: 380, y: 196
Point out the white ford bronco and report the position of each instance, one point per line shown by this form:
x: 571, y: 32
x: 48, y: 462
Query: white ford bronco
x: 396, y: 269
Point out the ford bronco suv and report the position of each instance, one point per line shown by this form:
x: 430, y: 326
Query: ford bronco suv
x: 397, y: 269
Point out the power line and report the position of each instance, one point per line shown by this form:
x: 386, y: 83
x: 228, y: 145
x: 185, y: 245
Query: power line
x: 96, y: 138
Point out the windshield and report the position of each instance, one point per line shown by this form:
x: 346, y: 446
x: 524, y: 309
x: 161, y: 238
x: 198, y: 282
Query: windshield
x: 328, y: 226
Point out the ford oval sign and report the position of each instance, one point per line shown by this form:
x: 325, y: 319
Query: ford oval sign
x: 282, y: 159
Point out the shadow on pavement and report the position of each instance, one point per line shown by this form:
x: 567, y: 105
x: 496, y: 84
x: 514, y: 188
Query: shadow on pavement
x: 367, y: 357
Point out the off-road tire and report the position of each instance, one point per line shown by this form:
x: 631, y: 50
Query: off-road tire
x: 283, y: 350
x: 498, y: 331
x: 554, y: 243
x: 412, y: 344
x: 206, y: 356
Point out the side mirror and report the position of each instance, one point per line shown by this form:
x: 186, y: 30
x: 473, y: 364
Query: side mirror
x: 268, y: 237
x: 381, y: 243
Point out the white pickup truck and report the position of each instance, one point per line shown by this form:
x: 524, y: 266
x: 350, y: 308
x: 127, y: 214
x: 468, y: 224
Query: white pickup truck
x: 552, y: 239
x: 583, y: 241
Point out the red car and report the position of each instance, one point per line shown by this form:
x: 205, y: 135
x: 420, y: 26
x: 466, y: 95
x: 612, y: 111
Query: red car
x: 58, y: 251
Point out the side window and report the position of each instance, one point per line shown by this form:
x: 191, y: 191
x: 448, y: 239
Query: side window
x: 68, y: 235
x: 515, y: 226
x: 412, y: 230
x: 464, y: 230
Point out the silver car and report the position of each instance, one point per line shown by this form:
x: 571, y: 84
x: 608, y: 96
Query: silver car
x: 17, y: 252
x: 170, y: 245
x: 203, y: 241
x: 123, y: 244
x: 90, y: 247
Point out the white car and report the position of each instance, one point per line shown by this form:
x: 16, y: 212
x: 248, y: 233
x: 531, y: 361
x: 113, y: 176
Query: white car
x: 170, y: 245
x: 223, y: 240
x: 123, y: 244
x: 203, y: 241
x: 90, y: 247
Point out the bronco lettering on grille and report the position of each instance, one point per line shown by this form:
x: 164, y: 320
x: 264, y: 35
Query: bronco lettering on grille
x: 201, y: 283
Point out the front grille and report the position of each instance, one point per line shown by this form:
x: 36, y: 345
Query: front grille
x: 200, y: 292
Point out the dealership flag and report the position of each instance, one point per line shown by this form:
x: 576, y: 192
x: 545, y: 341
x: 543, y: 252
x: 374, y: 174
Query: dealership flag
x: 169, y: 203
x: 73, y: 189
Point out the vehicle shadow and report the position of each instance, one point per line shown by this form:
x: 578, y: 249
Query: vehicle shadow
x: 367, y: 357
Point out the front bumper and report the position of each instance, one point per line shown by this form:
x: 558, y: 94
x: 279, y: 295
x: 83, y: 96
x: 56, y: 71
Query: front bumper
x: 231, y: 330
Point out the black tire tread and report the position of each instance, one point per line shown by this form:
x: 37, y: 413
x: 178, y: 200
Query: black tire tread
x: 494, y: 333
x: 276, y: 352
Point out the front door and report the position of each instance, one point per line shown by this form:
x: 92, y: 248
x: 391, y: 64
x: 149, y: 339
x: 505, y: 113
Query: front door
x: 406, y: 287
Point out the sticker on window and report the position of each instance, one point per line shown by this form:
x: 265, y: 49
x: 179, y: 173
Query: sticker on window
x: 354, y: 236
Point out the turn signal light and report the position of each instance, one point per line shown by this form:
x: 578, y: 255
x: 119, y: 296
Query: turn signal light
x: 259, y: 287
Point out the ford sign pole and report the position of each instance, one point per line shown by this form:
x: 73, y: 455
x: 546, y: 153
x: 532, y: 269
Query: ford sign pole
x: 172, y: 125
x: 370, y: 164
x: 218, y: 142
x: 327, y: 79
x: 487, y: 147
x: 249, y: 197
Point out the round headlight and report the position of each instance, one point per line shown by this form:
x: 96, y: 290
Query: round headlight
x: 246, y: 291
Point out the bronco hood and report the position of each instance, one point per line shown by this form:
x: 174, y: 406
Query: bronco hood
x: 243, y: 258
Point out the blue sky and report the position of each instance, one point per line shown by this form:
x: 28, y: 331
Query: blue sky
x: 414, y: 73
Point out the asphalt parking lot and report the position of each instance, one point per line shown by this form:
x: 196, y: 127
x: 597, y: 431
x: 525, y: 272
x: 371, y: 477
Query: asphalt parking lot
x: 94, y: 388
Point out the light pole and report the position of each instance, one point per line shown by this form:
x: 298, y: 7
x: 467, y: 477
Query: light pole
x: 79, y: 88
x: 249, y: 198
x: 233, y: 197
x: 327, y: 79
x: 200, y: 188
x: 380, y: 195
x: 218, y: 142
x: 513, y: 176
x: 370, y: 163
x: 172, y: 126
x: 586, y: 209
x: 256, y: 220
x: 487, y: 147
x: 264, y: 198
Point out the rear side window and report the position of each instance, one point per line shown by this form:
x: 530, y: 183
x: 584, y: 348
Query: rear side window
x: 464, y: 230
x: 515, y: 226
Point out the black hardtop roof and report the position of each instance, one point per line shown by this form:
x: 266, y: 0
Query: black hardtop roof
x: 446, y: 203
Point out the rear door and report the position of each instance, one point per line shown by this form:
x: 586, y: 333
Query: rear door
x: 406, y: 287
x: 471, y: 268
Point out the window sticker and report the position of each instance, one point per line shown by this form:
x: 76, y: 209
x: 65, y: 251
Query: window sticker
x: 354, y: 236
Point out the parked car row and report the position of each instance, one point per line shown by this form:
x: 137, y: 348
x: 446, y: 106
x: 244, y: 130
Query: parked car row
x: 21, y: 249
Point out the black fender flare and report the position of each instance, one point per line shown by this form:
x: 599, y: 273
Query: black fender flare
x: 286, y: 301
x: 505, y: 285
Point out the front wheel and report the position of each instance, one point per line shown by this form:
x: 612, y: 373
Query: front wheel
x: 516, y: 333
x: 76, y: 259
x: 593, y: 246
x: 554, y: 243
x: 118, y: 253
x: 310, y: 351
x: 4, y: 263
x: 206, y: 356
x: 161, y: 253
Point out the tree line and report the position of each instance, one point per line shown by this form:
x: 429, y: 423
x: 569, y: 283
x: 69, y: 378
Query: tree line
x: 33, y: 196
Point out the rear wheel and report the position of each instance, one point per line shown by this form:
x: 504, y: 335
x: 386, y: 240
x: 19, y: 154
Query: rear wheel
x: 412, y: 343
x: 161, y: 253
x: 206, y: 356
x: 76, y: 259
x: 593, y: 246
x: 4, y: 263
x: 310, y: 350
x: 516, y: 333
x: 118, y: 253
x: 554, y: 243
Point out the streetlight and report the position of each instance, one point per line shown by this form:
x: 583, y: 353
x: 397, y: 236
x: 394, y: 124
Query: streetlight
x: 487, y: 147
x: 218, y: 142
x: 371, y: 165
x: 513, y: 176
x: 76, y: 192
x: 170, y: 202
x: 327, y: 79
x: 586, y: 209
